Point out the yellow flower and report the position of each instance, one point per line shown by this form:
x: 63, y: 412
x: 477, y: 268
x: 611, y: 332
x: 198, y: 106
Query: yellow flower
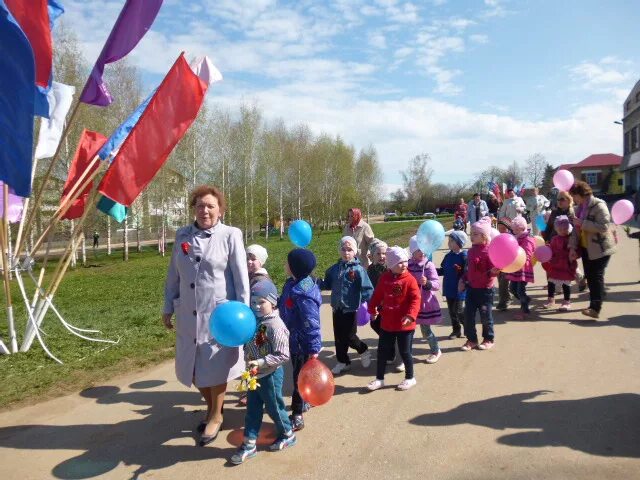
x: 245, y: 375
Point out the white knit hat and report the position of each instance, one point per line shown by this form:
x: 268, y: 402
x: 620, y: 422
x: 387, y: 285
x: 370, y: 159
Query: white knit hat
x: 259, y: 252
x: 413, y: 245
x: 395, y: 255
x: 351, y: 241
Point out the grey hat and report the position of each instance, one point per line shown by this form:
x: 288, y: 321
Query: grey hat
x: 459, y: 237
x: 265, y: 289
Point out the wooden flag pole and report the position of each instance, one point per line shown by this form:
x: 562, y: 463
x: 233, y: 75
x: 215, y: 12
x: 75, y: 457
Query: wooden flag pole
x: 68, y: 202
x: 39, y: 194
x: 6, y: 266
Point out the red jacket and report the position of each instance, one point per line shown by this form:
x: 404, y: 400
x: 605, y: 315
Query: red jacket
x: 560, y: 267
x: 399, y: 296
x: 478, y: 274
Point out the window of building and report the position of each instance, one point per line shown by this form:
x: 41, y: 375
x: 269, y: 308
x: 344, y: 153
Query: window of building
x: 621, y: 182
x: 627, y: 142
x: 638, y: 97
x: 591, y: 178
x: 634, y: 139
x: 627, y: 105
x: 636, y: 144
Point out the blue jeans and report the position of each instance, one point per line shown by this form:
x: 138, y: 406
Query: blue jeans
x: 478, y: 300
x: 519, y: 290
x: 386, y: 347
x: 431, y: 338
x: 267, y: 396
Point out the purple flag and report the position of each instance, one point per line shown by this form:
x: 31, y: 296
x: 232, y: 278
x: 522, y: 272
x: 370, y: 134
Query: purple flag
x: 134, y: 20
x: 14, y: 214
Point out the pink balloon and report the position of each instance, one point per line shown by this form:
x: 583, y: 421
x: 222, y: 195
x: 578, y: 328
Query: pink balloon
x: 503, y: 250
x: 543, y: 253
x: 563, y: 180
x: 622, y: 211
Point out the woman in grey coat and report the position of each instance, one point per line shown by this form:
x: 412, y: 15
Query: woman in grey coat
x: 208, y: 267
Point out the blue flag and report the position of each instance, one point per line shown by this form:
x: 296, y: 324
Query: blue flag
x: 114, y: 209
x: 120, y: 134
x: 17, y: 80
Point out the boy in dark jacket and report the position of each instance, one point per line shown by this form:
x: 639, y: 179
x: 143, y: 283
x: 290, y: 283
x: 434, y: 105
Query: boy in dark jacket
x: 299, y: 307
x: 350, y: 287
x: 452, y: 268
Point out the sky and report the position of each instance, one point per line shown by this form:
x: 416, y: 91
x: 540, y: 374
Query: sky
x: 473, y: 83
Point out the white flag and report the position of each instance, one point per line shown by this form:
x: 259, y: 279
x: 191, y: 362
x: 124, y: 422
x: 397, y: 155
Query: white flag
x: 60, y: 97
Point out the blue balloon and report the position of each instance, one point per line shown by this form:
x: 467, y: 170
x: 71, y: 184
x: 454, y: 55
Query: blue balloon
x: 232, y: 324
x: 430, y: 236
x: 540, y: 223
x: 300, y: 233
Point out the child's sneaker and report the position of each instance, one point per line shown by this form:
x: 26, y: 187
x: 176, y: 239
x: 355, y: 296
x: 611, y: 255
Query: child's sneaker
x: 590, y: 312
x: 365, y: 359
x: 582, y: 285
x: 433, y: 358
x: 486, y: 345
x: 400, y: 367
x: 340, y: 367
x: 501, y: 307
x: 244, y: 453
x: 454, y: 334
x: 297, y: 422
x: 375, y: 385
x: 282, y: 442
x: 407, y: 383
x: 551, y: 302
x: 468, y: 346
x: 565, y: 307
x: 306, y: 406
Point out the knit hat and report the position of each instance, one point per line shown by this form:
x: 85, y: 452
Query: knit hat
x: 458, y: 224
x: 519, y: 222
x: 563, y: 220
x: 265, y: 289
x: 506, y: 223
x: 413, y: 245
x: 350, y: 241
x: 259, y: 252
x: 376, y: 245
x: 482, y: 226
x: 459, y: 237
x: 301, y: 262
x: 395, y: 255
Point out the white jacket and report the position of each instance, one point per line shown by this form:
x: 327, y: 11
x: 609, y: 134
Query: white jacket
x: 511, y: 208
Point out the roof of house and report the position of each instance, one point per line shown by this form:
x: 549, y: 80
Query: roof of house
x: 596, y: 160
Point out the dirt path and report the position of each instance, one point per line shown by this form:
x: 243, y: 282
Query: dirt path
x: 557, y: 398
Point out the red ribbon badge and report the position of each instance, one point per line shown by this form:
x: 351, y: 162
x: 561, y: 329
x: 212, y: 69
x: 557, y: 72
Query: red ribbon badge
x: 185, y: 247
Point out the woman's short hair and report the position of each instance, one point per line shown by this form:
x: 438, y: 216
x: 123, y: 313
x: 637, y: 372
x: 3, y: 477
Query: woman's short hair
x: 565, y: 195
x: 203, y: 190
x: 581, y: 188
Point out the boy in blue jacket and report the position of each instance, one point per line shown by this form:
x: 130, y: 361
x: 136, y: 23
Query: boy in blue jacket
x: 452, y: 268
x: 299, y: 307
x: 350, y: 286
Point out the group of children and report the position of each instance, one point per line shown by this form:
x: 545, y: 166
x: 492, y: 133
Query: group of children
x: 400, y: 288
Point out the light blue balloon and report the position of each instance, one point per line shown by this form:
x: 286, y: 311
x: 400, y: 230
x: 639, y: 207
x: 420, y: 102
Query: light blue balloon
x: 232, y: 324
x: 540, y: 223
x: 430, y: 236
x: 300, y: 233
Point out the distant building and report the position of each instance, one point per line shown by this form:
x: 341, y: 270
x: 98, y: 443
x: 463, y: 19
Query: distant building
x: 631, y: 138
x: 601, y: 171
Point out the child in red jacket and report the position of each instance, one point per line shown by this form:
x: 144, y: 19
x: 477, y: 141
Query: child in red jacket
x: 561, y: 271
x: 398, y: 296
x: 478, y: 282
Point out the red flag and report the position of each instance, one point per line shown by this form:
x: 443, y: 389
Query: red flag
x: 33, y: 17
x: 168, y: 116
x: 88, y: 146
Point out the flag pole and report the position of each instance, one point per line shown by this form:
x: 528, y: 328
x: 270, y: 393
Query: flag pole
x: 68, y: 202
x: 6, y: 266
x: 39, y: 194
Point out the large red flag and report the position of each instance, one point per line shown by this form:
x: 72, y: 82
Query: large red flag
x: 33, y: 17
x: 88, y: 146
x: 168, y: 116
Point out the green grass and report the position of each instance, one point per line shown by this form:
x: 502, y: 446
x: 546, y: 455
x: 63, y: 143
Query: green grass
x: 124, y: 301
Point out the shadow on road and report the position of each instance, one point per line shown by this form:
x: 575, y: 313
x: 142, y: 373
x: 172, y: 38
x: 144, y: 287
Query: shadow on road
x: 144, y: 442
x: 606, y: 426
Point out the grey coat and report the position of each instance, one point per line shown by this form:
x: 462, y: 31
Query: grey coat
x: 213, y: 271
x: 363, y: 235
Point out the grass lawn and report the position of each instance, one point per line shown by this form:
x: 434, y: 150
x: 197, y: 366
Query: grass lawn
x: 124, y: 301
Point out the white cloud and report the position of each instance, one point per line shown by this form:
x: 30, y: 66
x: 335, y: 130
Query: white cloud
x: 377, y: 40
x: 479, y: 38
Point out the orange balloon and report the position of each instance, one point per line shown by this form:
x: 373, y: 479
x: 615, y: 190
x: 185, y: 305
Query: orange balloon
x: 518, y: 263
x: 315, y: 382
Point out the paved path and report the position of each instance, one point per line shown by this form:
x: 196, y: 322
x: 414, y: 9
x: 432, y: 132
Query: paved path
x: 557, y: 398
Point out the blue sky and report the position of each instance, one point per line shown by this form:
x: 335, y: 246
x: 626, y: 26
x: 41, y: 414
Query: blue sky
x: 472, y: 83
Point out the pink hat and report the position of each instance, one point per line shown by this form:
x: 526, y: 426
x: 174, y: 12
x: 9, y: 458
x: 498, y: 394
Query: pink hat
x: 519, y: 222
x: 395, y: 255
x: 482, y: 226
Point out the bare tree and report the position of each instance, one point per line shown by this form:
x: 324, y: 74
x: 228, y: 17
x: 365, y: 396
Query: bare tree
x: 535, y: 167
